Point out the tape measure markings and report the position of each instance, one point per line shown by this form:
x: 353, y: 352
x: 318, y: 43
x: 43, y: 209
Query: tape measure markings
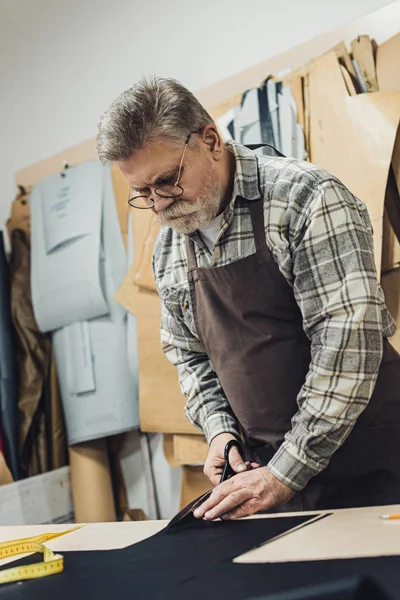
x: 52, y: 563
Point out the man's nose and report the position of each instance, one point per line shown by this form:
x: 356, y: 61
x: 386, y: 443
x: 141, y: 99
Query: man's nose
x: 162, y: 203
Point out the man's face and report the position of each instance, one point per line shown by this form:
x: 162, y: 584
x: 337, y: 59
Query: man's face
x: 158, y: 164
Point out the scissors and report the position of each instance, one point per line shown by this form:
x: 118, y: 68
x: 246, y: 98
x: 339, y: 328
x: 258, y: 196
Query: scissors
x: 185, y: 516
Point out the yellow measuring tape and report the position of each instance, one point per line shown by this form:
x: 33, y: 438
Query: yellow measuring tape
x: 52, y: 563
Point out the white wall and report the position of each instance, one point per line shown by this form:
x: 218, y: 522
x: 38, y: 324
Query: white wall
x: 61, y: 63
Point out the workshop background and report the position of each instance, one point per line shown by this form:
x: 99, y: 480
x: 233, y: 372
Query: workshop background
x: 108, y: 441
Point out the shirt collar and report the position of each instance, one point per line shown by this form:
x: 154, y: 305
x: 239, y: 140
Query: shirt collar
x: 246, y: 184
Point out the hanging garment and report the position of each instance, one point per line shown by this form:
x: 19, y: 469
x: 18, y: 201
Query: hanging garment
x: 365, y: 470
x: 42, y: 443
x: 268, y: 115
x: 8, y: 370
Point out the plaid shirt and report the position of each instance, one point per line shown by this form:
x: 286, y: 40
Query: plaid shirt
x: 320, y: 236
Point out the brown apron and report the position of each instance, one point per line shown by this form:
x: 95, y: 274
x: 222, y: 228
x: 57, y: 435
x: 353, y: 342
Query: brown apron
x: 251, y: 327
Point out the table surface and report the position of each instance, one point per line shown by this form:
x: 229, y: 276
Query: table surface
x: 340, y: 534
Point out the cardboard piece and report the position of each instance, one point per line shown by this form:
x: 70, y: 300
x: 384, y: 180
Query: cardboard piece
x: 350, y: 533
x: 76, y: 155
x: 127, y: 292
x: 143, y: 277
x: 363, y: 53
x: 91, y: 482
x: 219, y: 98
x: 183, y: 449
x: 190, y: 449
x: 168, y: 447
x: 121, y: 192
x: 351, y: 88
x: 161, y: 402
x: 344, y: 59
x: 353, y: 137
x: 194, y: 484
x: 387, y: 64
x: 44, y: 498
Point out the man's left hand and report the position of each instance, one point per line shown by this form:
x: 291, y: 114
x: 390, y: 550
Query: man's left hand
x: 245, y: 494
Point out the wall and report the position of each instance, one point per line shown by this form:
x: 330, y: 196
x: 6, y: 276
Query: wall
x: 61, y: 63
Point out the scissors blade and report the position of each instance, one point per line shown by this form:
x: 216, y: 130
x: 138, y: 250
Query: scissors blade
x: 186, y: 514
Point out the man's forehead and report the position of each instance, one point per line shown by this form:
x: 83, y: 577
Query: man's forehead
x: 149, y: 163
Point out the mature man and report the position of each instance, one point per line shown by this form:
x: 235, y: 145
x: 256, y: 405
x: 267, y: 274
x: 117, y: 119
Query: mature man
x: 271, y: 309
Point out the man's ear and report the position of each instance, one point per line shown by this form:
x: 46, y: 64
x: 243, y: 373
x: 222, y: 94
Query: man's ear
x: 213, y: 141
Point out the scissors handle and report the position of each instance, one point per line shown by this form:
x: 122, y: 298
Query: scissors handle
x: 228, y: 472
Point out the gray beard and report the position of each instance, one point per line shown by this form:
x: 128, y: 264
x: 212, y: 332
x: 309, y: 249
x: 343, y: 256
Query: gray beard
x: 185, y: 218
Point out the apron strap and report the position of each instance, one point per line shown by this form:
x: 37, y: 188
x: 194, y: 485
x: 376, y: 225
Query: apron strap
x: 191, y: 254
x: 257, y: 220
x: 257, y: 146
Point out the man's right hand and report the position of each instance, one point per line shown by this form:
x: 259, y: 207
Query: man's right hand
x: 215, y: 460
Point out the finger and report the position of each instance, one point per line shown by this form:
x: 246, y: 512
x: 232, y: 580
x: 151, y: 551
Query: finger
x: 228, y: 504
x: 219, y: 493
x: 215, y: 477
x: 213, y: 473
x: 247, y: 508
x: 236, y: 461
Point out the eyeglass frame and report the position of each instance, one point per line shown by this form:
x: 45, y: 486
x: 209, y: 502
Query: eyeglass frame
x: 176, y: 184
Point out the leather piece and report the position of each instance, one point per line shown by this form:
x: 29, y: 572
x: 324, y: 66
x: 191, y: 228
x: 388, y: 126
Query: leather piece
x: 8, y: 370
x: 157, y: 567
x: 281, y: 581
x: 42, y: 441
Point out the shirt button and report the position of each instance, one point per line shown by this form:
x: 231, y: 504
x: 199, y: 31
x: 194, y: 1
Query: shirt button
x: 185, y: 305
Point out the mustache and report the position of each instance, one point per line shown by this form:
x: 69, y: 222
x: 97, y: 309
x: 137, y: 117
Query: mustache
x: 179, y: 208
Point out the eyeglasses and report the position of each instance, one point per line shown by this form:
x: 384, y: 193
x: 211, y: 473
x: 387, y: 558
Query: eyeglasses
x: 173, y: 190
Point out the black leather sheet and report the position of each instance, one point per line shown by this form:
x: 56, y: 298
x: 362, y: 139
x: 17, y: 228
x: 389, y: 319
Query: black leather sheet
x: 195, y: 562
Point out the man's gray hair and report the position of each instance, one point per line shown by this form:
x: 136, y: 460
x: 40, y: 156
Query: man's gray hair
x: 152, y: 109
